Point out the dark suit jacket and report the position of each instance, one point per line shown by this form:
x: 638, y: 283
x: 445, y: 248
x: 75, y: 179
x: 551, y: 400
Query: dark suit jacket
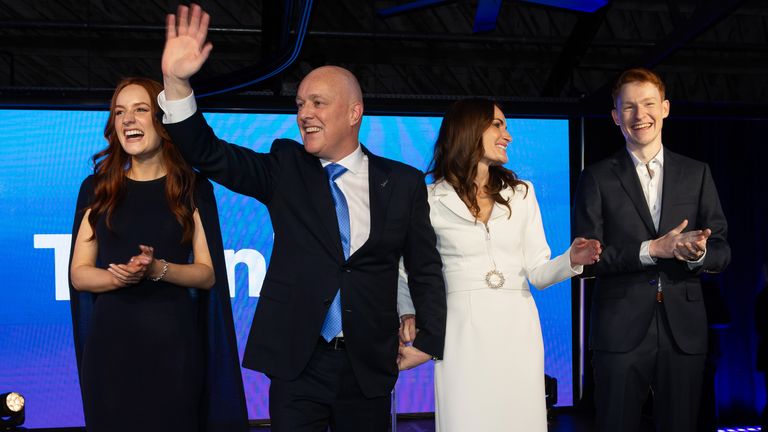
x: 610, y: 207
x: 307, y: 266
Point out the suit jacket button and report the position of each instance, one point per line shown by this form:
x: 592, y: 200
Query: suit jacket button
x: 653, y: 282
x: 327, y: 302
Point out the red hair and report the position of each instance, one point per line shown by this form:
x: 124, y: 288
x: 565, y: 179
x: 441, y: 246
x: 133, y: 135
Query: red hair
x: 641, y: 75
x: 111, y: 164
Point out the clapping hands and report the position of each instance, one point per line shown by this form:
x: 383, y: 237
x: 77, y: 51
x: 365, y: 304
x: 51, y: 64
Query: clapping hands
x: 135, y: 269
x: 684, y: 246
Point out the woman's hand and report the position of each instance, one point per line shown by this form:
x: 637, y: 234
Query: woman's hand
x: 135, y: 269
x: 585, y: 251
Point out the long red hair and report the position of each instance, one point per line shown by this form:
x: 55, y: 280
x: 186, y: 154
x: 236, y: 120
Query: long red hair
x: 111, y: 164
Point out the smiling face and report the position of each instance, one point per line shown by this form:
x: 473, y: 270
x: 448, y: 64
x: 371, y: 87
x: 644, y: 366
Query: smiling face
x: 330, y: 108
x: 495, y: 140
x: 640, y: 112
x: 134, y: 123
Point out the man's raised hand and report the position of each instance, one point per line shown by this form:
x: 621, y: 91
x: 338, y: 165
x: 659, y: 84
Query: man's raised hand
x: 185, y: 49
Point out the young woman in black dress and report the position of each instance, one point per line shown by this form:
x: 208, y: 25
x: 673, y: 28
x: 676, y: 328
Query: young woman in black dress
x: 153, y: 324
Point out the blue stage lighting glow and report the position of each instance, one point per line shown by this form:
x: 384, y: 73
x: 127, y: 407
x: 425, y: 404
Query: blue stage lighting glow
x: 742, y: 429
x: 40, y: 173
x: 577, y: 5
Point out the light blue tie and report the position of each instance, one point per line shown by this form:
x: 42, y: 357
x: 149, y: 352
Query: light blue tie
x: 332, y: 324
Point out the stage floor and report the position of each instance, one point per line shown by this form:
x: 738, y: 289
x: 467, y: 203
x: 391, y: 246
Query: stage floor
x: 563, y: 420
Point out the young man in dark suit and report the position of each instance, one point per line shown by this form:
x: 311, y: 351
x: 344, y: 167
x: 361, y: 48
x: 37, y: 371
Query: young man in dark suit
x: 658, y: 217
x: 326, y: 327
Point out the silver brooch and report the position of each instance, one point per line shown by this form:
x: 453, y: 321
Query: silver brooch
x: 494, y: 279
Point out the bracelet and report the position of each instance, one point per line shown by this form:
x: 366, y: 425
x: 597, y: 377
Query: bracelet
x: 162, y: 272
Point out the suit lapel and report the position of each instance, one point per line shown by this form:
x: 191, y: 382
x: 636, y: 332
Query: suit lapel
x: 316, y: 183
x: 625, y: 171
x: 448, y: 197
x: 673, y: 182
x: 379, y: 192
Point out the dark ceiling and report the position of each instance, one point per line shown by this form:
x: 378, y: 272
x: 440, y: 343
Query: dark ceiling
x: 711, y: 53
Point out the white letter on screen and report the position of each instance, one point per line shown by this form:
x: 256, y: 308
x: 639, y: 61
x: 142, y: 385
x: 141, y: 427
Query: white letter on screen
x: 60, y: 245
x: 257, y: 269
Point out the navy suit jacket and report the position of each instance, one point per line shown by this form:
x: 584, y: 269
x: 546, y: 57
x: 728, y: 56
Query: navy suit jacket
x: 307, y: 266
x: 610, y: 207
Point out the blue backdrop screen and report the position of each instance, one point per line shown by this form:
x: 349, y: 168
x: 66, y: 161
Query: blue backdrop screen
x: 46, y: 154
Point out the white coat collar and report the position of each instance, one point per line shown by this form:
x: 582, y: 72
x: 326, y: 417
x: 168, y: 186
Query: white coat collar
x: 447, y: 196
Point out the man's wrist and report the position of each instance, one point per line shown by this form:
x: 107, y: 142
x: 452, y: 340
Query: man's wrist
x: 692, y: 264
x: 645, y: 255
x: 176, y: 88
x: 652, y: 248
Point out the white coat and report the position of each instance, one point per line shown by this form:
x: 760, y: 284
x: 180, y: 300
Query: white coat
x: 491, y: 377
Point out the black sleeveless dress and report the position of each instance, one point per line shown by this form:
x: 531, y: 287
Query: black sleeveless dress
x: 142, y: 364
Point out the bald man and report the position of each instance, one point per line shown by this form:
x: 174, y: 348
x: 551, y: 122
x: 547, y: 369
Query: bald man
x: 325, y: 330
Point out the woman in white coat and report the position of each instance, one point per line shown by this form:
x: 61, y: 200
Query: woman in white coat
x: 491, y: 239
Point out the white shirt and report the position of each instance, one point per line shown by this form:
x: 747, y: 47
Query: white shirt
x: 651, y: 177
x: 354, y: 184
x: 177, y: 111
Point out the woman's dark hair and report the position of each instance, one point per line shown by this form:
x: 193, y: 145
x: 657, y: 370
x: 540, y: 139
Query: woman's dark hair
x: 459, y: 148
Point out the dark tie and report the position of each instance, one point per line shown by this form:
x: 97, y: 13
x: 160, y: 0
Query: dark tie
x: 332, y: 324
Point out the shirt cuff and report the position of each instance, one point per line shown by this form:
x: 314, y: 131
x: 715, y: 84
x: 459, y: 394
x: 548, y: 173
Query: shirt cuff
x: 404, y: 304
x: 645, y: 254
x: 577, y: 269
x: 693, y: 265
x: 566, y: 257
x: 177, y: 111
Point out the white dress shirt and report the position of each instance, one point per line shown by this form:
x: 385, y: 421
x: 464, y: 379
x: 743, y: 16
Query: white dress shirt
x: 354, y: 184
x: 176, y: 111
x: 651, y: 177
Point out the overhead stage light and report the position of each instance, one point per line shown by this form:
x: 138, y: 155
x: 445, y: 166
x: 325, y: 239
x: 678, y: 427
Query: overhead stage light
x: 11, y: 410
